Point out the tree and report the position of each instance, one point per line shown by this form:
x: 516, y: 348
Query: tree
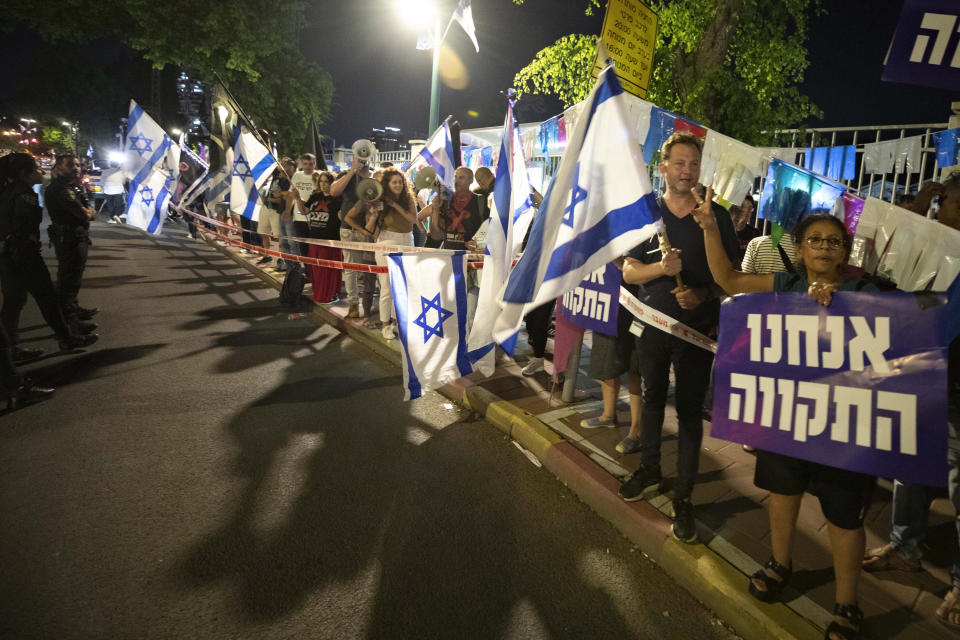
x: 732, y: 65
x: 55, y: 138
x: 249, y: 44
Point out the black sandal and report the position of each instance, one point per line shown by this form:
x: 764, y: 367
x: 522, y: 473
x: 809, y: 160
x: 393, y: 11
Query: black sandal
x: 852, y: 614
x: 773, y: 586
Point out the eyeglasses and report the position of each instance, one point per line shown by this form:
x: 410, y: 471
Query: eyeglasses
x: 816, y: 242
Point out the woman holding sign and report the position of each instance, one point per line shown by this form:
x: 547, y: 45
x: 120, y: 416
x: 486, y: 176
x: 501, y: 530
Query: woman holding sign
x: 823, y: 247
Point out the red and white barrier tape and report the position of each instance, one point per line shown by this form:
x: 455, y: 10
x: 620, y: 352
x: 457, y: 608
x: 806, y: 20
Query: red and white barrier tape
x: 649, y: 315
x: 316, y: 262
x: 336, y: 244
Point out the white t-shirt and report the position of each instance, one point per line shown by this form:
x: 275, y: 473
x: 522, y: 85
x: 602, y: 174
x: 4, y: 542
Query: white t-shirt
x: 303, y: 183
x: 112, y: 181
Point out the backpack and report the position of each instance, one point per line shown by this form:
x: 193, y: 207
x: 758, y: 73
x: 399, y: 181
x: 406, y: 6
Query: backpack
x: 292, y: 287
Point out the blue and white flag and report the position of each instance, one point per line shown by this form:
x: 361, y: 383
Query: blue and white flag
x: 599, y: 206
x: 438, y: 153
x: 463, y: 14
x: 147, y: 201
x: 147, y: 144
x: 510, y: 216
x: 152, y: 164
x: 252, y: 164
x: 430, y: 297
x: 218, y: 187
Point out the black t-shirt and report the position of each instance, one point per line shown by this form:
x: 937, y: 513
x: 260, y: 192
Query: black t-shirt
x: 349, y: 198
x: 459, y: 224
x: 321, y: 212
x: 685, y: 234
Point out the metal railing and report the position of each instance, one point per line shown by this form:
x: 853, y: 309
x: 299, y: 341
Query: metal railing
x: 886, y: 186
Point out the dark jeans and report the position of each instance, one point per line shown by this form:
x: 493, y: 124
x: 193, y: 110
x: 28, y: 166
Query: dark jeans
x: 23, y: 271
x: 249, y: 227
x: 656, y: 351
x: 10, y: 378
x: 538, y: 324
x: 113, y: 205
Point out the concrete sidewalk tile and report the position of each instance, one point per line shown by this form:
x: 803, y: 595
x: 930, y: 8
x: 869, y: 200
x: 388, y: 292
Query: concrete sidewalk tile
x: 638, y: 521
x: 532, y: 404
x: 721, y: 587
x: 926, y: 608
x: 563, y: 428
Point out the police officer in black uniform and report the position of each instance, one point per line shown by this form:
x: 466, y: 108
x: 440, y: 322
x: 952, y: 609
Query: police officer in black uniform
x: 22, y: 269
x: 70, y: 216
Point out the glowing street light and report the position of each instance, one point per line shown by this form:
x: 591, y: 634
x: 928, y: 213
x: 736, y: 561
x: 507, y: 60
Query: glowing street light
x: 176, y: 131
x: 420, y: 13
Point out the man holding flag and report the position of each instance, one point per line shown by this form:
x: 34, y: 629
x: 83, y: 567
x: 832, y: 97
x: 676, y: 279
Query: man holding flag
x: 677, y: 282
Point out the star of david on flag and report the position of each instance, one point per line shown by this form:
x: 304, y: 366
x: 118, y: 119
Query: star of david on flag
x: 578, y: 195
x: 423, y: 322
x: 146, y: 194
x: 430, y: 298
x: 241, y: 168
x: 599, y: 206
x: 135, y: 144
x: 250, y: 170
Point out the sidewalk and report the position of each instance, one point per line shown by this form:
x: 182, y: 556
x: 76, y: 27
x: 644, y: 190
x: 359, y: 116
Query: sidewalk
x: 730, y: 510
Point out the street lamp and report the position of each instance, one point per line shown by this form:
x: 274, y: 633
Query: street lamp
x: 420, y: 13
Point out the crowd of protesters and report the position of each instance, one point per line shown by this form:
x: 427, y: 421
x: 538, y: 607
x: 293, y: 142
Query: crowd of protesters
x: 712, y: 253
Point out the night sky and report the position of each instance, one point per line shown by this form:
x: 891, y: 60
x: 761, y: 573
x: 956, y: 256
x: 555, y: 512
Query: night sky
x: 380, y: 77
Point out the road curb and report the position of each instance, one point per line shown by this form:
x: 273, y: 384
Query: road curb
x: 700, y: 570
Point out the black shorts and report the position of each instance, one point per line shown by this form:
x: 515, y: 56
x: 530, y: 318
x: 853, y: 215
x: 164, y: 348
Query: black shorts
x: 844, y: 496
x: 611, y: 356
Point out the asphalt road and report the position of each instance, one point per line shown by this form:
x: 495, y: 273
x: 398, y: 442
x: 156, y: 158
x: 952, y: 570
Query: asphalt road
x: 214, y: 468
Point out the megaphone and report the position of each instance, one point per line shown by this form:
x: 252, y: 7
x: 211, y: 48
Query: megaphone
x: 369, y: 190
x: 363, y: 150
x: 426, y: 179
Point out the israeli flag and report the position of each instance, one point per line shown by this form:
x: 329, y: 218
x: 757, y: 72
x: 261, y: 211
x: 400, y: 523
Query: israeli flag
x: 463, y: 14
x: 147, y: 145
x: 252, y: 164
x: 599, y: 206
x: 430, y: 298
x: 438, y: 153
x: 510, y: 216
x: 147, y: 201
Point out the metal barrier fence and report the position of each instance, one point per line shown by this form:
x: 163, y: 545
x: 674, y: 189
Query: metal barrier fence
x: 885, y: 186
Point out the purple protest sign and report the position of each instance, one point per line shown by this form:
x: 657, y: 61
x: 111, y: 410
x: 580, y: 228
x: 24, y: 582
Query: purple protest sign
x: 594, y: 304
x: 926, y: 47
x: 863, y: 389
x: 852, y: 208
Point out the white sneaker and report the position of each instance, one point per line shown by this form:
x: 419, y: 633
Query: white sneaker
x: 535, y: 365
x: 388, y: 332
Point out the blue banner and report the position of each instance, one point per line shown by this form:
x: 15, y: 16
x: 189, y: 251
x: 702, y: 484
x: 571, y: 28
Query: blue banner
x: 926, y: 45
x: 594, y: 304
x: 859, y: 385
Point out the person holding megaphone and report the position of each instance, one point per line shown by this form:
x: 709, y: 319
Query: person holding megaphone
x: 392, y: 215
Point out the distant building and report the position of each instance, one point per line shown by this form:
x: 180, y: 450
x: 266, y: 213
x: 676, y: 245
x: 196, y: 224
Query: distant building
x: 389, y: 139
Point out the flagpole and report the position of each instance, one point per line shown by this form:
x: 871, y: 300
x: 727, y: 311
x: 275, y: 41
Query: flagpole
x: 243, y: 115
x: 435, y: 80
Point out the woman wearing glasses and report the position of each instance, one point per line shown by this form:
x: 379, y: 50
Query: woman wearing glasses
x: 823, y: 247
